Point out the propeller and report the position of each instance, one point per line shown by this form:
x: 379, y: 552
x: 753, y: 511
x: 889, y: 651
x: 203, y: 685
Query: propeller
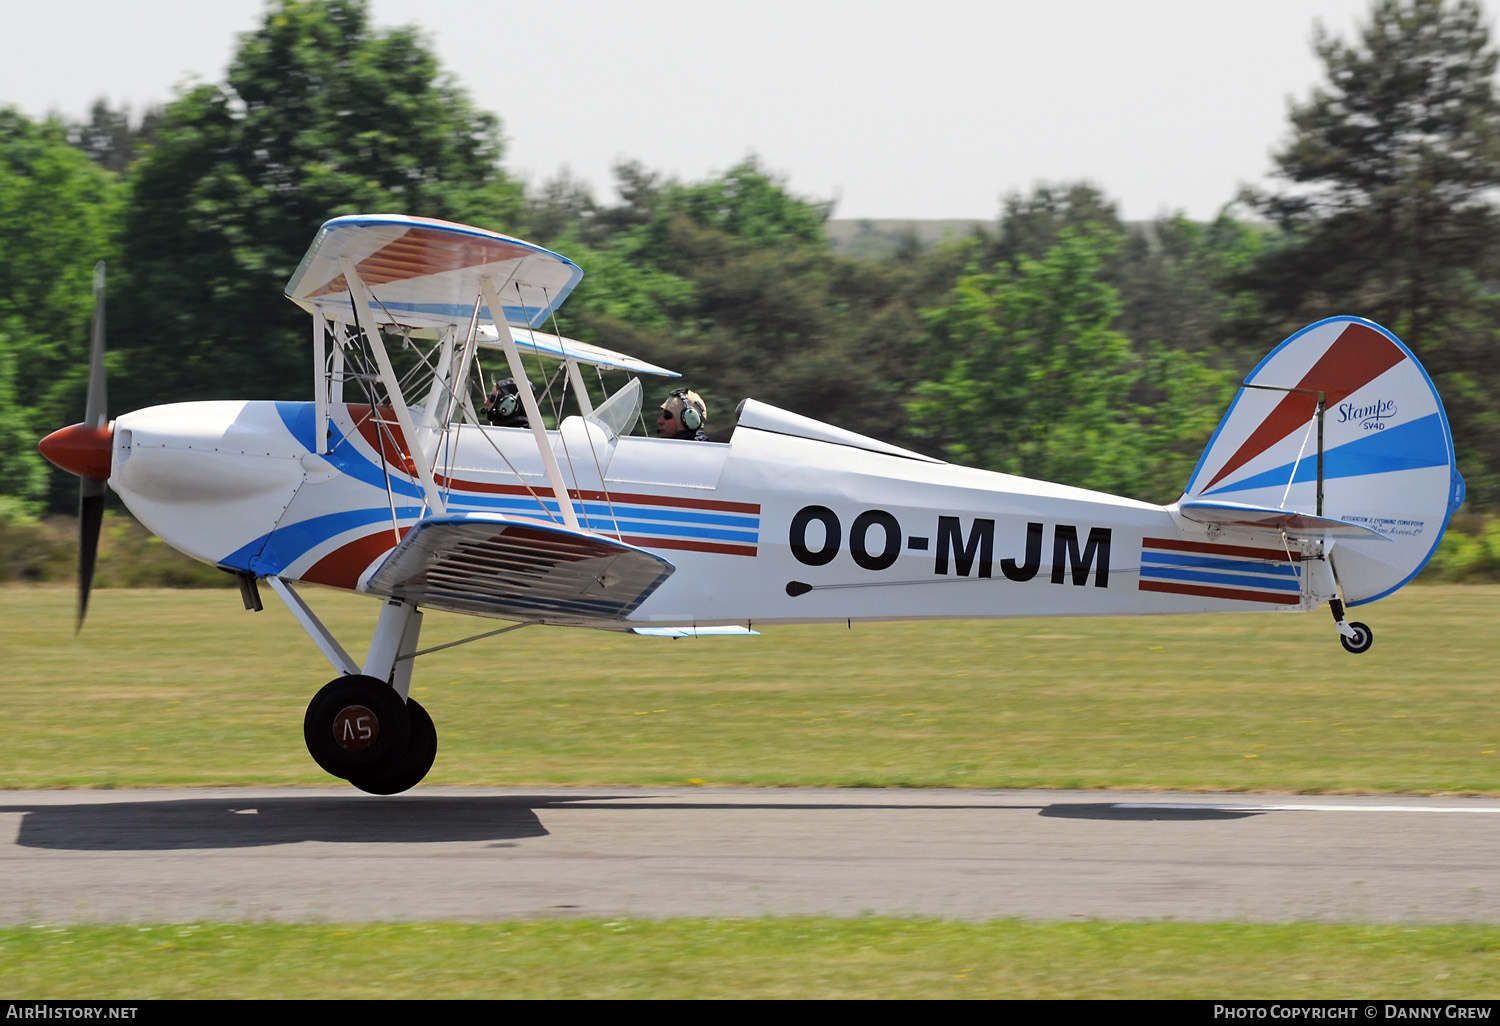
x: 91, y: 489
x: 85, y: 449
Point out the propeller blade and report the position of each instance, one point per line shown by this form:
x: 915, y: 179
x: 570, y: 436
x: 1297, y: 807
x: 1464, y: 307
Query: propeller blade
x: 91, y: 489
x: 95, y: 405
x: 90, y: 521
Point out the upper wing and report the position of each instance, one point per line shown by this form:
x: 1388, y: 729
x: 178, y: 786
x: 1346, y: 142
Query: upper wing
x: 557, y: 347
x: 519, y: 569
x: 424, y: 273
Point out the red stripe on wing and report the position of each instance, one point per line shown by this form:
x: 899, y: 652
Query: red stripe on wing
x: 419, y: 252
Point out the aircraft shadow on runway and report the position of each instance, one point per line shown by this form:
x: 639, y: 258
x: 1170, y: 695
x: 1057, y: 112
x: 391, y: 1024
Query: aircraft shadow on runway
x: 176, y: 824
x: 1155, y: 813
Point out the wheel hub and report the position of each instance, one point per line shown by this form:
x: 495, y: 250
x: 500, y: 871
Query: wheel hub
x: 355, y: 728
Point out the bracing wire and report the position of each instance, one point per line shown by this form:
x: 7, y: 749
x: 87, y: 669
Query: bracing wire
x: 587, y: 434
x: 1298, y: 461
x: 555, y: 403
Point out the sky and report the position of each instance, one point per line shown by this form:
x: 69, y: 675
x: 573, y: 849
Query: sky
x: 892, y: 108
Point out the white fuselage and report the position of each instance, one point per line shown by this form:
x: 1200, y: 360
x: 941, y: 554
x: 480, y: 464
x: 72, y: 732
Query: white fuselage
x: 773, y: 526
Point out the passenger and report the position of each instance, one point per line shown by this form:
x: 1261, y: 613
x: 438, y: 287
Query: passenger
x: 683, y: 415
x: 503, y: 407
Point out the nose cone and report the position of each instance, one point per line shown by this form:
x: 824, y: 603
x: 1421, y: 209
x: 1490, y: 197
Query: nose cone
x: 81, y: 449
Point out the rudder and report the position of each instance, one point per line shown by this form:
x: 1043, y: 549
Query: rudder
x: 1387, y: 451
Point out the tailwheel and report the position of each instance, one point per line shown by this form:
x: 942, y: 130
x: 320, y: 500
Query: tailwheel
x: 412, y: 764
x: 1361, y: 639
x: 356, y: 725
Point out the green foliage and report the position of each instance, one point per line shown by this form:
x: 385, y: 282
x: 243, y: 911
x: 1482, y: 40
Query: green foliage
x: 1032, y: 224
x: 321, y: 115
x: 894, y: 238
x: 58, y: 216
x: 1470, y: 551
x: 23, y: 472
x: 38, y: 551
x: 34, y: 551
x: 749, y: 205
x: 731, y: 282
x: 624, y: 286
x: 1175, y: 278
x: 1390, y: 206
x: 110, y: 140
x: 1041, y: 385
x: 1403, y: 138
x: 1060, y: 343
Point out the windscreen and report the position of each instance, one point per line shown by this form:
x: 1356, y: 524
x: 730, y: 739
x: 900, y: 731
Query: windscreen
x: 619, y: 412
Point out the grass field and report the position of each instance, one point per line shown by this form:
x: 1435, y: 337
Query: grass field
x: 762, y: 958
x: 183, y: 688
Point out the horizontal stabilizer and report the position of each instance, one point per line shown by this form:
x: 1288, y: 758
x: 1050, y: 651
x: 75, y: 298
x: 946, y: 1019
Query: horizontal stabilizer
x: 1280, y: 521
x: 694, y: 632
x: 519, y: 569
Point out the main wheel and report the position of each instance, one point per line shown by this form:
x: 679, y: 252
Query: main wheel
x: 411, y: 765
x: 1362, y: 640
x: 356, y: 725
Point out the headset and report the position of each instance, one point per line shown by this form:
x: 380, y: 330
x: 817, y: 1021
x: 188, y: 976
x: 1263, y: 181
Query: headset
x: 504, y: 402
x: 505, y: 405
x: 691, y: 417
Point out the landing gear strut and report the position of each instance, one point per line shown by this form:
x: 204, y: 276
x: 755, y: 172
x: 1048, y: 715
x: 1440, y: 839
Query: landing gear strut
x: 1356, y: 637
x: 363, y: 726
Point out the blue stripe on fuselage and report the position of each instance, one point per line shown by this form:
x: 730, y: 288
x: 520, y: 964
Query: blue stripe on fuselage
x: 1188, y: 559
x: 1163, y: 573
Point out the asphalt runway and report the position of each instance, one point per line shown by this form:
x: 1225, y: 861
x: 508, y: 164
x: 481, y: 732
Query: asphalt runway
x: 487, y: 854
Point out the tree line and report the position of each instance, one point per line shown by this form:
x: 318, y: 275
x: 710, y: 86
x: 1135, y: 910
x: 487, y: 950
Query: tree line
x: 1057, y: 342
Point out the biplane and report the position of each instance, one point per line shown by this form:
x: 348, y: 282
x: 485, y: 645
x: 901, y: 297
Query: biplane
x: 1330, y: 480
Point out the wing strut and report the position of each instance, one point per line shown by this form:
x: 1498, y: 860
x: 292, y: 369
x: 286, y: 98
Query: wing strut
x: 321, y: 636
x: 576, y: 377
x: 320, y: 387
x: 362, y: 305
x: 1321, y: 398
x: 533, y: 412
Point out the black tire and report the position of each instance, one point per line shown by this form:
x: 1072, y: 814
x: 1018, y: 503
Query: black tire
x: 356, y: 725
x: 1362, y: 640
x: 411, y: 765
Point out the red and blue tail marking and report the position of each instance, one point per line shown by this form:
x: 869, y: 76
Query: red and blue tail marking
x: 1242, y: 573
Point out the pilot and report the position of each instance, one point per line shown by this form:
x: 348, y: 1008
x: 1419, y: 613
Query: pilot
x: 683, y: 415
x: 503, y: 407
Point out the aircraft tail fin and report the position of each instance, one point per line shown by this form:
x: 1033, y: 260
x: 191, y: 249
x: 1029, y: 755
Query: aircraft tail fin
x: 1339, y: 423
